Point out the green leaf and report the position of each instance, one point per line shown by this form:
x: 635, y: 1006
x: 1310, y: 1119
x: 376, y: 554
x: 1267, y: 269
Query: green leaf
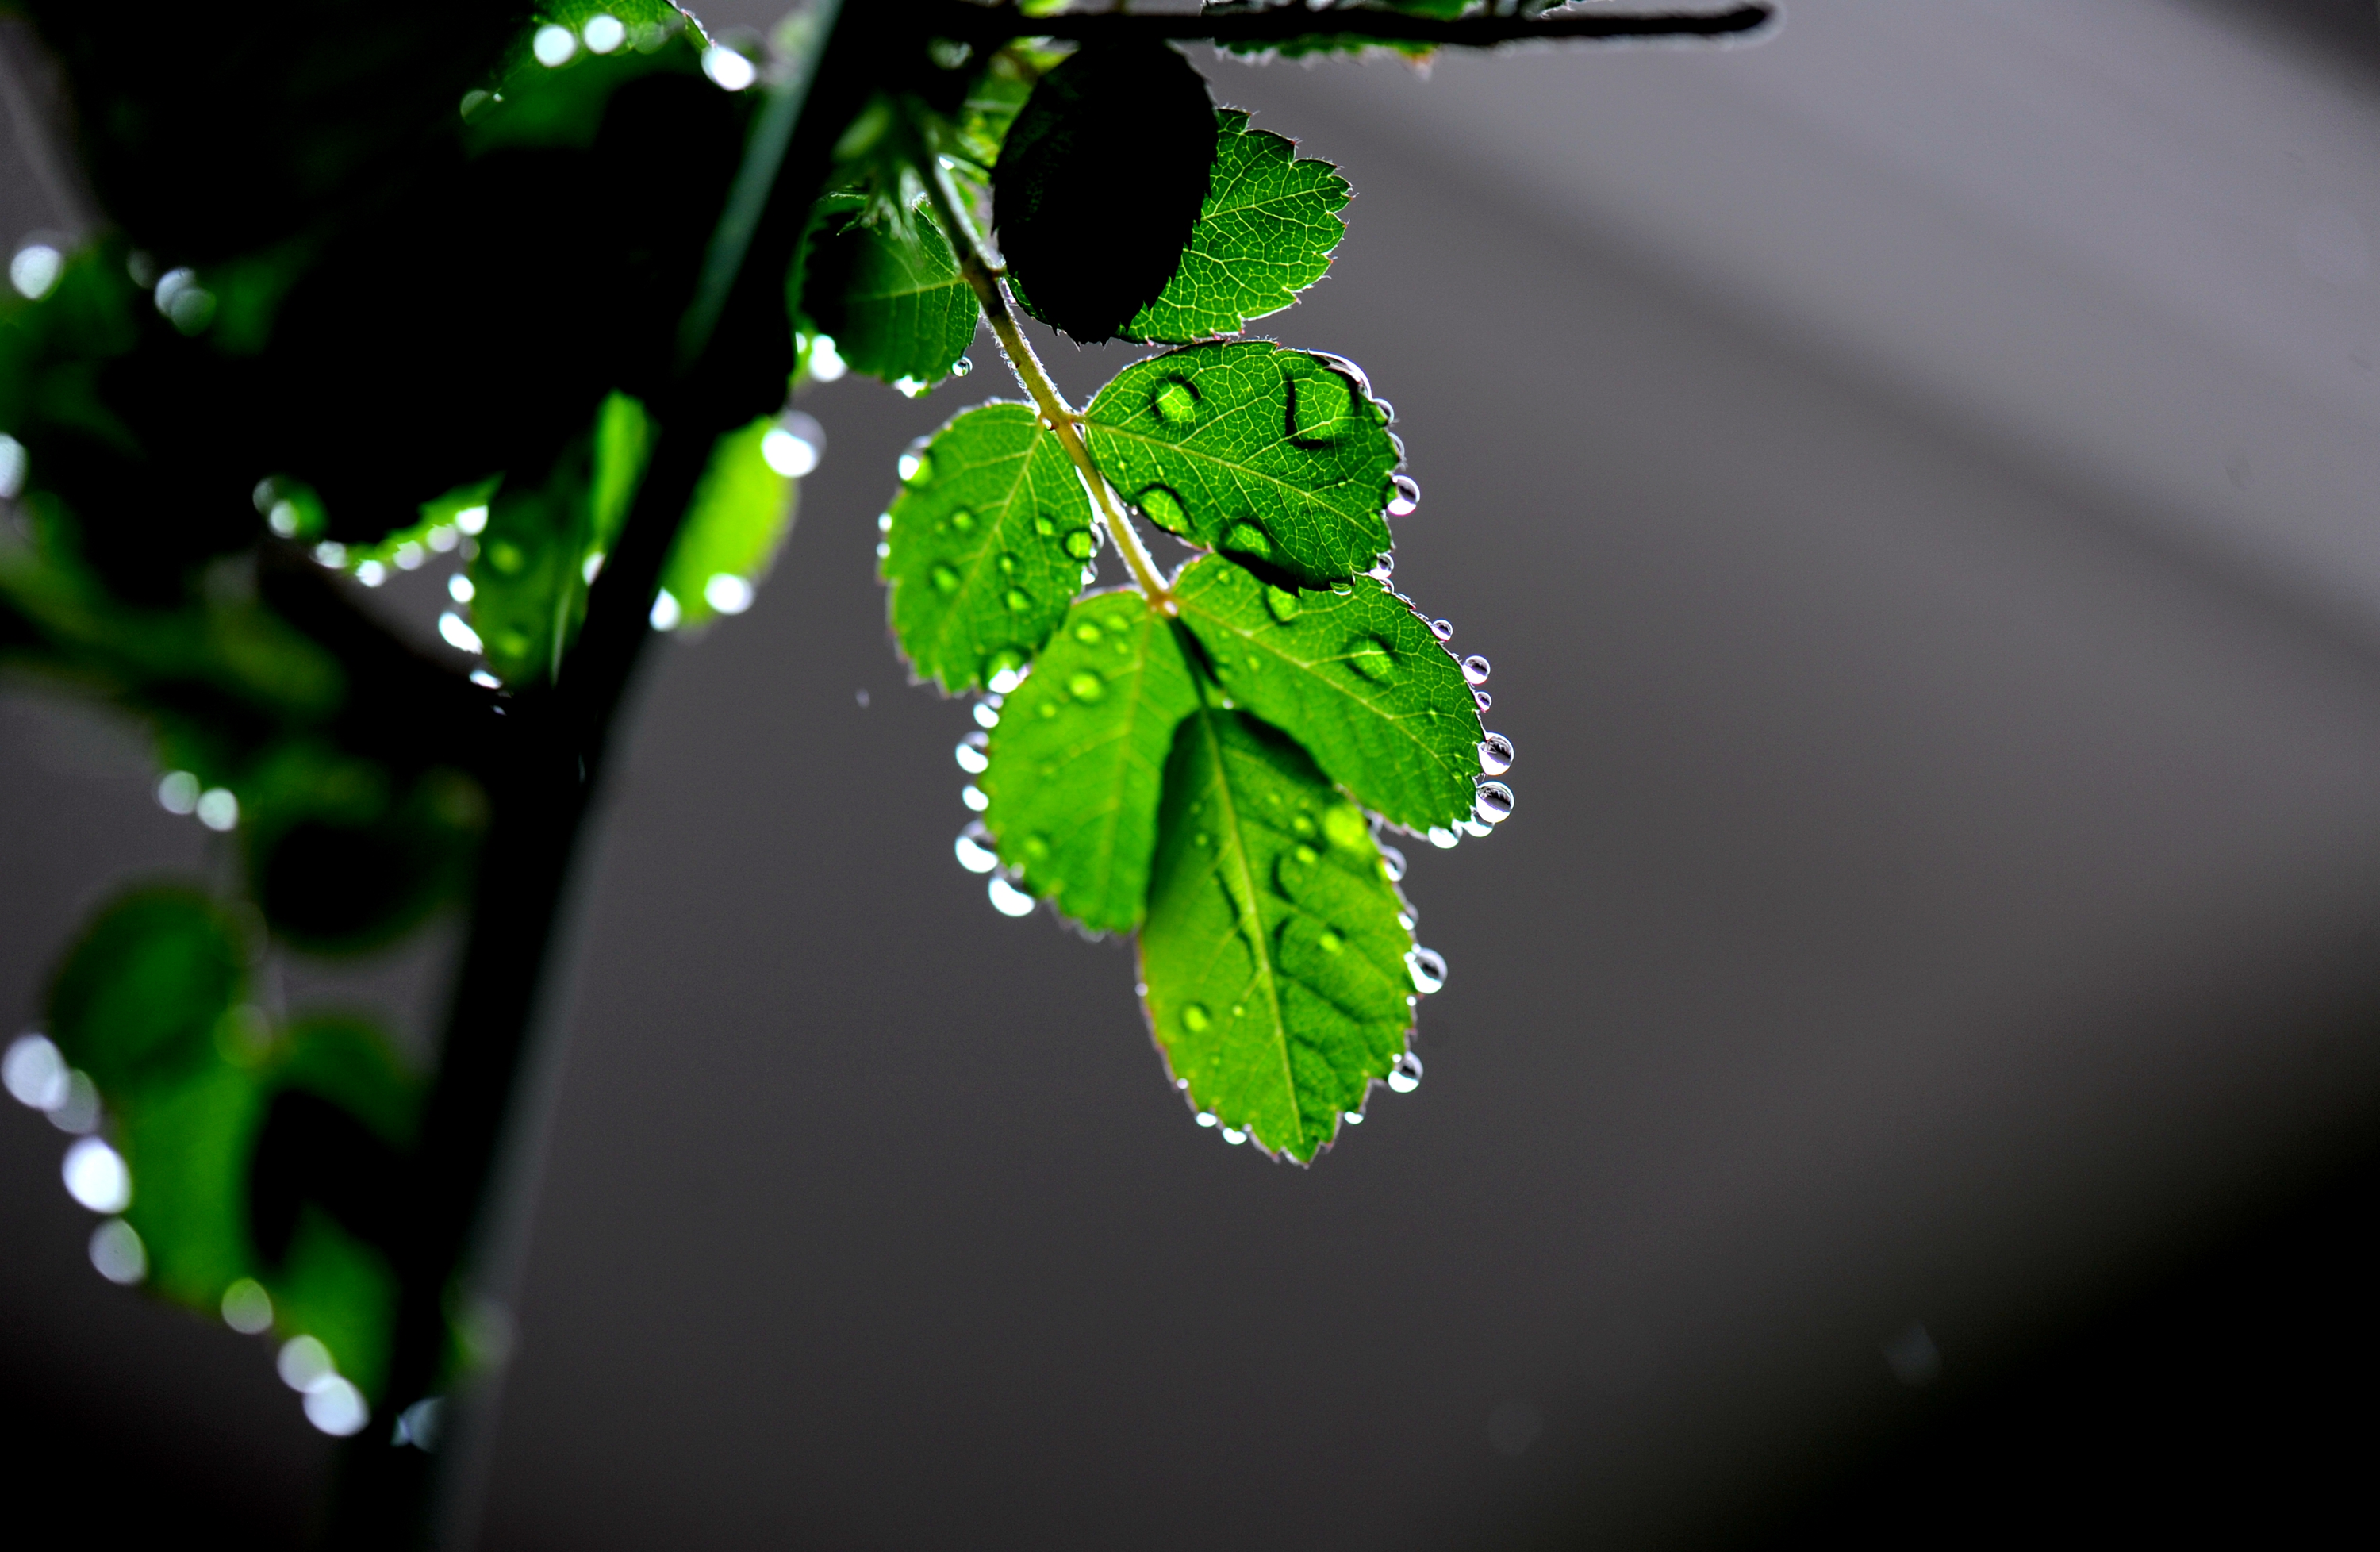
x: 1078, y: 759
x: 1274, y: 953
x: 741, y: 513
x: 1272, y: 453
x: 891, y: 294
x: 139, y: 1000
x: 1355, y: 676
x: 342, y: 1292
x: 187, y: 1146
x: 986, y: 547
x: 1267, y: 231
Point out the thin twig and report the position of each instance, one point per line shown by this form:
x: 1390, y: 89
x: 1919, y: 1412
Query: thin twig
x: 1293, y: 23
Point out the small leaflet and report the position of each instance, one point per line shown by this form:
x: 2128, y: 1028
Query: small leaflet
x: 1266, y: 232
x: 1354, y: 676
x: 1274, y: 963
x: 739, y: 517
x: 1079, y: 757
x: 985, y: 548
x: 1275, y: 455
x: 890, y: 294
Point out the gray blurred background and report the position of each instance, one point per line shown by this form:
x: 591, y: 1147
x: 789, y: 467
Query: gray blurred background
x: 1916, y: 478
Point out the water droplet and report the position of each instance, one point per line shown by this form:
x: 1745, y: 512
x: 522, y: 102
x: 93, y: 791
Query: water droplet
x: 1442, y: 629
x: 1383, y: 567
x: 1471, y: 827
x: 1482, y: 699
x: 1018, y: 601
x: 917, y: 465
x: 1494, y: 804
x: 1342, y: 588
x: 1428, y: 967
x: 974, y: 848
x: 1003, y: 670
x: 1392, y: 863
x: 973, y: 796
x: 1085, y: 685
x: 1293, y: 871
x: 971, y: 759
x: 1037, y: 847
x: 1045, y: 525
x: 1345, y: 826
x: 1202, y: 839
x: 963, y: 366
x: 1407, y: 497
x: 1080, y: 543
x: 1087, y: 632
x: 1233, y: 1136
x: 1371, y: 657
x: 1007, y: 563
x: 1332, y: 941
x: 1318, y: 408
x: 1247, y: 538
x: 1281, y: 603
x: 1443, y: 838
x: 1206, y: 1117
x: 1345, y: 367
x: 1354, y: 1118
x: 1495, y: 754
x: 1405, y: 1077
x: 987, y: 713
x: 1195, y: 1020
x: 1163, y: 507
x: 962, y: 520
x: 1174, y: 402
x: 1475, y: 670
x: 1007, y: 899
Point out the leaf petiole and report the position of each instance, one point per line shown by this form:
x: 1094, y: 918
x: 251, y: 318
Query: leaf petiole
x: 1063, y: 419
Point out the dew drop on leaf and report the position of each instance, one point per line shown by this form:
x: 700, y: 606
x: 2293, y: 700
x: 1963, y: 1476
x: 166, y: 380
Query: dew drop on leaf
x: 1371, y: 656
x: 1080, y: 543
x: 1088, y: 633
x: 1037, y: 847
x: 971, y: 759
x: 1475, y: 671
x: 974, y: 848
x: 1392, y: 863
x: 963, y: 520
x: 1233, y: 1136
x: 1044, y: 525
x: 1407, y: 497
x: 1281, y: 603
x: 1164, y: 508
x: 1442, y: 629
x: 1494, y: 804
x: 917, y: 465
x: 1482, y: 699
x: 1194, y: 1019
x: 1007, y: 899
x: 1007, y: 563
x: 1206, y: 1117
x: 1332, y: 941
x: 1345, y: 826
x: 1247, y: 538
x: 945, y: 578
x: 1405, y: 1077
x: 1428, y: 967
x: 1495, y: 754
x: 1019, y: 601
x: 1174, y: 401
x: 1085, y: 685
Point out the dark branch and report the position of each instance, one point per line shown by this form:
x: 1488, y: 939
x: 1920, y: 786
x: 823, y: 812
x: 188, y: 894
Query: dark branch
x: 1290, y: 23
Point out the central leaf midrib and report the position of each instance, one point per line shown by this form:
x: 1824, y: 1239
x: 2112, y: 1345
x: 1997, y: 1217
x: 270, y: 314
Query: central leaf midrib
x: 1258, y: 939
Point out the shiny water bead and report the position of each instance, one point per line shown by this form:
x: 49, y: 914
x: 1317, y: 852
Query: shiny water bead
x: 1428, y: 967
x: 1405, y: 1077
x: 1442, y: 629
x: 1494, y: 803
x: 1495, y: 754
x: 1407, y: 497
x: 1474, y: 669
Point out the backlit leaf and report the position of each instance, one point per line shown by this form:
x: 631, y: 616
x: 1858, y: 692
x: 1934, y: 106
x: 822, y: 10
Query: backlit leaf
x: 986, y: 547
x: 1251, y: 448
x: 1266, y: 232
x: 740, y: 515
x: 1079, y: 757
x: 1274, y: 963
x: 139, y: 1000
x: 890, y: 294
x: 1354, y: 676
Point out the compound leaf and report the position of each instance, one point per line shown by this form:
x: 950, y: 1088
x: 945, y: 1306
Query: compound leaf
x: 1079, y: 758
x: 890, y: 294
x: 138, y: 1000
x: 985, y: 547
x: 1273, y: 956
x: 1266, y: 232
x: 1354, y: 676
x: 741, y: 513
x: 1274, y: 454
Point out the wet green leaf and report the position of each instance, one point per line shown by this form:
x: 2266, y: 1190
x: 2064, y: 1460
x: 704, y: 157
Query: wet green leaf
x: 1272, y: 955
x: 1272, y: 453
x: 740, y: 515
x: 140, y: 998
x: 1266, y: 232
x: 187, y: 1145
x: 1079, y: 757
x: 986, y: 547
x: 890, y: 294
x: 1353, y: 676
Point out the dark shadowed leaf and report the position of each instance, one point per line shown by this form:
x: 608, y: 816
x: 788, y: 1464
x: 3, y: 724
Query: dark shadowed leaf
x: 1117, y: 141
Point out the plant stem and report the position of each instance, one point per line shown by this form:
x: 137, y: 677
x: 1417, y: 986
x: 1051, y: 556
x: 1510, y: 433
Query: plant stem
x: 992, y: 25
x: 1060, y: 417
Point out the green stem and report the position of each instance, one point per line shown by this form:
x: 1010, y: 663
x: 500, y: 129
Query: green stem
x: 1031, y: 375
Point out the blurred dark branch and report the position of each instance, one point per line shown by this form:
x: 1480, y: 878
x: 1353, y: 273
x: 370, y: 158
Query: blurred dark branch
x: 993, y: 25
